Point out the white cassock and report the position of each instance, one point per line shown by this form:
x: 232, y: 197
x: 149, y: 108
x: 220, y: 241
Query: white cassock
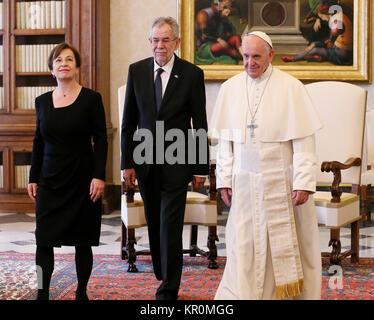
x: 272, y: 246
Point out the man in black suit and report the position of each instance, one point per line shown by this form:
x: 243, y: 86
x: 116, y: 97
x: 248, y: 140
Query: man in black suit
x: 163, y: 103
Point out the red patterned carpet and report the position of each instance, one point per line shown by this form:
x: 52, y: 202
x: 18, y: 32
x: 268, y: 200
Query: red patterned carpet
x: 111, y: 281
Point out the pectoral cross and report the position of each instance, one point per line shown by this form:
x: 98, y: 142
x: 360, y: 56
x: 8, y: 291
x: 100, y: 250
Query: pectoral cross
x: 252, y: 126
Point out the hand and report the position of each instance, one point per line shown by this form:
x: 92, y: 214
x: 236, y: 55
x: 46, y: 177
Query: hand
x: 197, y: 183
x: 32, y: 191
x: 317, y: 25
x: 96, y: 189
x: 226, y: 194
x: 129, y: 177
x: 223, y: 43
x: 300, y: 197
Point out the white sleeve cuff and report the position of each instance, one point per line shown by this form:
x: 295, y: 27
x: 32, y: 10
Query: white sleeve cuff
x: 225, y: 159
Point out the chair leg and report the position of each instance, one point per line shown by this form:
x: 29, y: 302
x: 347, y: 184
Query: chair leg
x: 364, y: 202
x: 336, y: 246
x: 369, y: 197
x: 131, y: 251
x: 219, y: 203
x: 123, y: 241
x: 355, y: 239
x: 368, y: 216
x: 212, y: 255
x: 193, y: 240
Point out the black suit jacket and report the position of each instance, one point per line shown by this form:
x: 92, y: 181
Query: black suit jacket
x: 183, y: 101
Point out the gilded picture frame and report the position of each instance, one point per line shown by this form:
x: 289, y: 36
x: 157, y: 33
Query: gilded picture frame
x: 359, y: 69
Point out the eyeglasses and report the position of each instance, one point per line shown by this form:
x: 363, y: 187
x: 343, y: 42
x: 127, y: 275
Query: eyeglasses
x: 165, y: 40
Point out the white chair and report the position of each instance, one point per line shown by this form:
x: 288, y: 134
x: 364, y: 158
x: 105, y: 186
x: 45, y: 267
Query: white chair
x: 201, y: 210
x: 367, y: 177
x: 339, y: 145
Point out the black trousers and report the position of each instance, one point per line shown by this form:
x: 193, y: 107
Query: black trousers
x: 164, y: 204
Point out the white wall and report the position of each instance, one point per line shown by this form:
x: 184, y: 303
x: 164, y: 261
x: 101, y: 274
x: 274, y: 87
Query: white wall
x: 129, y: 31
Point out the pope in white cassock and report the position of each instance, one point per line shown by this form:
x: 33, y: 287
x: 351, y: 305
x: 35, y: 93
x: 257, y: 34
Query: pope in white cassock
x: 265, y: 122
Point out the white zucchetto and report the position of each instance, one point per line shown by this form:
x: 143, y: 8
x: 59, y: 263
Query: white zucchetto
x: 263, y: 36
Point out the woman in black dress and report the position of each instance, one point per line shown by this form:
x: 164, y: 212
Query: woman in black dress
x: 67, y: 170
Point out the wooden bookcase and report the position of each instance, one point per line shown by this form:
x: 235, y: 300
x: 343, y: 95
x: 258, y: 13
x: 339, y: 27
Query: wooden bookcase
x: 84, y: 24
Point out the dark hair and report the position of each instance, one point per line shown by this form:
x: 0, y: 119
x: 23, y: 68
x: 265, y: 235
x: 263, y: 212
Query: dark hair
x: 57, y: 50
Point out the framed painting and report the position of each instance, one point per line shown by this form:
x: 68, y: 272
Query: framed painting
x: 312, y: 39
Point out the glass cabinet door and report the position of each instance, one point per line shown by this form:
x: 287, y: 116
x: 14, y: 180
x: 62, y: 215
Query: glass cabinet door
x: 1, y: 66
x: 22, y: 165
x: 40, y: 14
x: 1, y: 171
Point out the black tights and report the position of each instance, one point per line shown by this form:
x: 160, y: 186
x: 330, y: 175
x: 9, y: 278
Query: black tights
x: 45, y: 263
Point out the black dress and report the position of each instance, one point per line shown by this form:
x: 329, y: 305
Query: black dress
x: 64, y: 161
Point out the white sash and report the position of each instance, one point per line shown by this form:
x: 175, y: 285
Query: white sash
x: 281, y: 223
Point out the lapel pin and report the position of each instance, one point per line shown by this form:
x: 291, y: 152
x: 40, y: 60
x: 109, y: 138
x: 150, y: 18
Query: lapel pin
x: 176, y: 76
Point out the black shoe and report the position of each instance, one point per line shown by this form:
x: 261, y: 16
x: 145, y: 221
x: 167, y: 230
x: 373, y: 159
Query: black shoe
x: 81, y: 296
x: 167, y: 295
x: 42, y: 295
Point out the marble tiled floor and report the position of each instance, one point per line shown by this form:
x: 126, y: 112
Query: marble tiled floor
x: 17, y: 234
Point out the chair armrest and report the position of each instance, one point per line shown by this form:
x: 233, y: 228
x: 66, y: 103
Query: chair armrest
x: 335, y: 167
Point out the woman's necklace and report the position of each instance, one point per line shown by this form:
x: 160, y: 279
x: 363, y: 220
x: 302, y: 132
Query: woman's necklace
x: 252, y: 126
x: 67, y: 93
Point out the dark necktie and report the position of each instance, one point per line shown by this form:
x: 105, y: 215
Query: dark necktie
x: 158, y: 88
